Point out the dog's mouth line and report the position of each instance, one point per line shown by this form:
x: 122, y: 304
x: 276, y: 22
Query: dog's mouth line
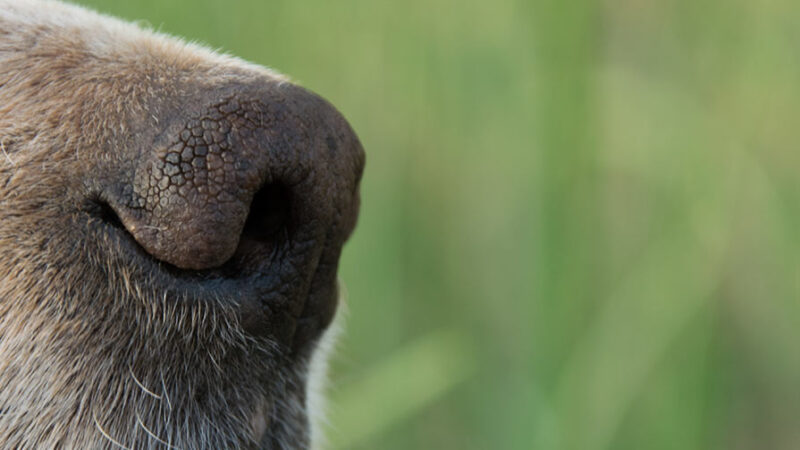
x: 249, y: 293
x: 113, y: 226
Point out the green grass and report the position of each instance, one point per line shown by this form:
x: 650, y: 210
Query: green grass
x: 581, y: 220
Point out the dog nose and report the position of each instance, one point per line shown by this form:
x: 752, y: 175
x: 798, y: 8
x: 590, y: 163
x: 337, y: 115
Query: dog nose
x: 253, y: 164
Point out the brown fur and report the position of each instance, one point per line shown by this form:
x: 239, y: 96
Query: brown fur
x: 103, y: 344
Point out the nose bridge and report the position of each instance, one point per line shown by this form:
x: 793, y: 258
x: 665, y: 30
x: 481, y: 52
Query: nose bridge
x: 192, y: 194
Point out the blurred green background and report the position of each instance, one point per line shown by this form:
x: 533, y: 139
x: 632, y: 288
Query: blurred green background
x: 580, y: 223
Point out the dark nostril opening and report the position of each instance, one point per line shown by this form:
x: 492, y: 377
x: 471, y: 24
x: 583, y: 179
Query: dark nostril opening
x: 103, y: 211
x: 269, y: 212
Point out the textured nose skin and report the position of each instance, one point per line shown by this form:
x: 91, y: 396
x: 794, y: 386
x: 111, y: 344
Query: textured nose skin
x: 191, y: 195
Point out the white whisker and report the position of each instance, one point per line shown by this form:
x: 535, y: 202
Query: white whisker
x: 152, y: 435
x: 106, y: 435
x: 139, y: 383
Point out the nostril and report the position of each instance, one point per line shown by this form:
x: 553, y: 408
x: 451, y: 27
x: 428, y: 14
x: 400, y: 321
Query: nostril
x: 103, y: 211
x: 269, y: 212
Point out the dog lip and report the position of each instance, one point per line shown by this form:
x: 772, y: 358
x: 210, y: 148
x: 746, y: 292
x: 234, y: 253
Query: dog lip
x: 264, y: 308
x: 113, y: 227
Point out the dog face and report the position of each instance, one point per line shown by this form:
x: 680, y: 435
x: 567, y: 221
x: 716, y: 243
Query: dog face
x: 171, y: 222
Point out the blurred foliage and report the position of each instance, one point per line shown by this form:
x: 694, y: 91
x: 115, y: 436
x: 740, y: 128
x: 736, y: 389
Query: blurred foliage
x: 581, y: 220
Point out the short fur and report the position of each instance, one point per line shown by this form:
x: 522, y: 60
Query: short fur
x: 124, y: 335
